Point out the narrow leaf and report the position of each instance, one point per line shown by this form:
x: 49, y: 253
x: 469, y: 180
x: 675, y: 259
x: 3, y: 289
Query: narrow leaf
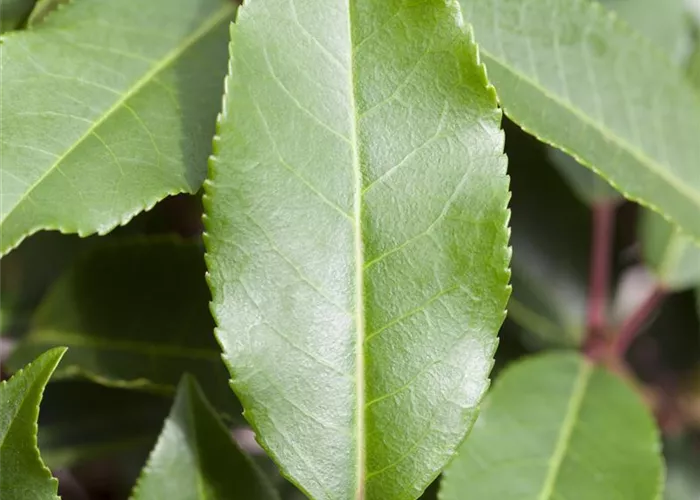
x: 554, y: 426
x: 196, y: 458
x: 357, y: 239
x: 13, y: 13
x: 134, y: 314
x: 82, y: 421
x: 671, y: 255
x: 578, y: 78
x: 107, y: 107
x: 24, y: 476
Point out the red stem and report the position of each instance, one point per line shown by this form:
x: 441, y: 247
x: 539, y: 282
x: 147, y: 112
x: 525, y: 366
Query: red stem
x: 599, y: 274
x: 631, y: 326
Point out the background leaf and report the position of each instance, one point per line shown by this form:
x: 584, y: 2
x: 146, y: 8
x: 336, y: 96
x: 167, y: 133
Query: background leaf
x: 82, y: 421
x: 672, y: 256
x: 581, y: 80
x: 196, y: 458
x: 134, y: 314
x: 24, y: 476
x: 356, y: 238
x: 553, y: 427
x: 551, y: 232
x: 97, y: 145
x: 13, y: 13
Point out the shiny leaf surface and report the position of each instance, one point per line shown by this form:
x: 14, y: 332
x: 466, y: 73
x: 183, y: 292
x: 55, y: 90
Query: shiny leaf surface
x: 356, y: 237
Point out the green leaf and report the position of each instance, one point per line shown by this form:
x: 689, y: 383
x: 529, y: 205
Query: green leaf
x: 81, y: 421
x: 671, y: 255
x: 578, y: 78
x: 24, y: 476
x: 554, y: 426
x: 196, y: 457
x: 107, y: 107
x: 42, y: 9
x: 551, y: 235
x: 13, y: 13
x: 357, y: 238
x: 134, y: 315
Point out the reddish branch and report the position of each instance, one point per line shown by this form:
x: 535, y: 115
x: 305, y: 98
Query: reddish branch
x: 599, y: 275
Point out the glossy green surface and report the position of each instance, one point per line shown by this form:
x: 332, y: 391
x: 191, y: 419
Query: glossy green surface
x: 24, y: 476
x: 671, y: 255
x: 106, y: 108
x: 134, y: 314
x: 580, y: 79
x: 554, y: 427
x: 196, y: 458
x: 357, y: 238
x: 13, y: 13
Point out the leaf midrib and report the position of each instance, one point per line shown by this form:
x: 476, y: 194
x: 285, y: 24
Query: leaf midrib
x: 640, y: 156
x: 573, y: 410
x: 359, y: 261
x: 205, y: 28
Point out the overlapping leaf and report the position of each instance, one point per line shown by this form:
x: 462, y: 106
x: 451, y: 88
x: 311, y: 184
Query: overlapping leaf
x: 24, y: 476
x: 196, y: 458
x: 557, y: 427
x: 107, y: 107
x: 134, y: 314
x: 672, y: 256
x: 357, y: 240
x: 580, y: 79
x: 14, y: 12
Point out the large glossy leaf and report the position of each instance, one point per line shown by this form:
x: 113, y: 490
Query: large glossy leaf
x: 24, y: 476
x: 555, y: 427
x: 107, y: 107
x: 134, y: 314
x: 196, y: 458
x: 671, y: 255
x: 580, y: 79
x: 551, y: 233
x: 14, y: 12
x: 357, y: 239
x: 82, y: 421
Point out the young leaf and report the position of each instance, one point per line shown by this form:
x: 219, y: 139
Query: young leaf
x: 82, y: 421
x: 13, y: 13
x: 578, y: 78
x: 554, y: 426
x: 357, y: 238
x: 196, y: 458
x: 670, y: 254
x: 107, y: 107
x: 24, y: 475
x: 134, y: 314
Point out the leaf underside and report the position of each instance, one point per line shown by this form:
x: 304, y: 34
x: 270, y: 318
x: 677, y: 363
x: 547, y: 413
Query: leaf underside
x: 356, y: 237
x: 578, y: 78
x: 196, y: 458
x: 555, y: 427
x: 107, y: 107
x: 24, y: 476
